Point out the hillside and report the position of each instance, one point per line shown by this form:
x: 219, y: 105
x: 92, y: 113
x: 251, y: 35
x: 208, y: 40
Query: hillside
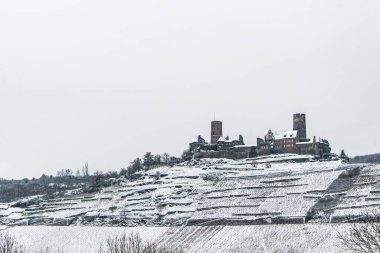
x: 373, y: 158
x: 269, y: 190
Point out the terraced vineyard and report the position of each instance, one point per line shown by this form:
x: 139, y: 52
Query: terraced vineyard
x: 269, y: 190
x: 197, y: 206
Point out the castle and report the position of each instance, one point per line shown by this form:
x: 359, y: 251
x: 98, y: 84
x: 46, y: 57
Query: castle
x: 293, y: 141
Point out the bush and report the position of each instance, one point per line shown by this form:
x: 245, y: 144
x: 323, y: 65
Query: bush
x: 48, y: 250
x: 133, y: 244
x: 118, y: 244
x: 9, y: 245
x: 363, y: 236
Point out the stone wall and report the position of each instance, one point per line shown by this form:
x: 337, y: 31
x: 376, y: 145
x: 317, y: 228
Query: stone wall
x: 222, y: 154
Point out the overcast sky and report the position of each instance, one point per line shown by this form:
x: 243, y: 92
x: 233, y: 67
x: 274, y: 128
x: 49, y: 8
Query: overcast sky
x: 106, y: 81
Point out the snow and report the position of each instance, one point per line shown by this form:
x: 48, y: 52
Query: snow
x: 208, y: 189
x: 363, y: 197
x: 281, y: 158
x: 10, y: 211
x: 4, y: 206
x: 317, y: 140
x: 318, y: 238
x: 286, y: 135
x: 215, y: 193
x: 76, y: 239
x: 244, y: 146
x: 221, y: 139
x: 274, y: 238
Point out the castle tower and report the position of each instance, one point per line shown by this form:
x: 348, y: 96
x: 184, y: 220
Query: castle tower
x: 299, y: 124
x: 216, y: 131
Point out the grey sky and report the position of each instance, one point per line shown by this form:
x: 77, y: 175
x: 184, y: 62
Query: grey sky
x: 106, y: 81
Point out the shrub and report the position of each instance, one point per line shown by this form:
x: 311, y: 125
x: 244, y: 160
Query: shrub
x: 133, y: 244
x: 363, y: 235
x: 48, y: 250
x: 9, y: 245
x: 117, y: 244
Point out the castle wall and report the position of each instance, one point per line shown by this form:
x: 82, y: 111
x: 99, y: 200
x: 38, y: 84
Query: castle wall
x: 222, y: 154
x: 308, y: 148
x: 286, y: 145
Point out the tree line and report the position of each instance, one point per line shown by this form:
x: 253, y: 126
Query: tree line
x: 66, y: 179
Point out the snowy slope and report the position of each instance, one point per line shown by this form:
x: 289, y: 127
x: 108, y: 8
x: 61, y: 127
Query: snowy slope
x: 272, y: 189
x: 319, y: 238
x: 73, y: 239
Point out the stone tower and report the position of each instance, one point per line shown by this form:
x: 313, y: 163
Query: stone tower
x: 299, y: 124
x: 216, y: 131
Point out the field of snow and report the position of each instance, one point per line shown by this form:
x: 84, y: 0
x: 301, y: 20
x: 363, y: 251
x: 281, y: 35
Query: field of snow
x: 269, y: 190
x: 319, y: 238
x: 70, y: 239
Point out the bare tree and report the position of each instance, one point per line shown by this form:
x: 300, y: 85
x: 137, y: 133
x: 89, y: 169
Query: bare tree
x: 85, y: 170
x: 363, y: 235
x: 165, y: 158
x: 48, y: 250
x: 133, y: 244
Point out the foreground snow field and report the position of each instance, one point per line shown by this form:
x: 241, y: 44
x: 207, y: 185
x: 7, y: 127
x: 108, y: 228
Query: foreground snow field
x: 318, y: 238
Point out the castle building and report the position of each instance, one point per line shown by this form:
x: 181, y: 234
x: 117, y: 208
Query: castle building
x: 224, y: 143
x: 221, y: 147
x: 292, y: 141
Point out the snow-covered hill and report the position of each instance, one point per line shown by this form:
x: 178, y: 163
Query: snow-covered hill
x: 269, y: 190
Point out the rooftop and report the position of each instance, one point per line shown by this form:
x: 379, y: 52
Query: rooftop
x: 286, y: 135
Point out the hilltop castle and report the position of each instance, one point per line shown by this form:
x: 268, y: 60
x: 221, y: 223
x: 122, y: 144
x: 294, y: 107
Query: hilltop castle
x: 293, y: 141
